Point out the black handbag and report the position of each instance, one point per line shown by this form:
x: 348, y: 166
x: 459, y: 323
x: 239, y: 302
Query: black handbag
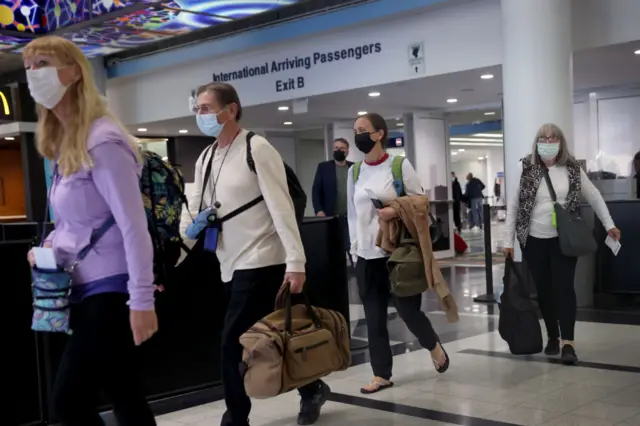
x: 576, y: 237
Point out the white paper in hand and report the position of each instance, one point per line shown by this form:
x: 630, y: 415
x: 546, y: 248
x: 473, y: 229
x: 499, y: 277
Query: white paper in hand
x: 45, y: 258
x: 613, y: 244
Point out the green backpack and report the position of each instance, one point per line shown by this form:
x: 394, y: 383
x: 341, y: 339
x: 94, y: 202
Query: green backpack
x: 396, y: 172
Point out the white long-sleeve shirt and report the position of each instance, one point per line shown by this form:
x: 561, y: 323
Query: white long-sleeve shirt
x: 541, y: 225
x: 267, y: 234
x: 362, y: 214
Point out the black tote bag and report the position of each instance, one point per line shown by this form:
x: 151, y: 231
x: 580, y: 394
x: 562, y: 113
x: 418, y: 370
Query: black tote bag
x: 576, y: 237
x: 518, y: 324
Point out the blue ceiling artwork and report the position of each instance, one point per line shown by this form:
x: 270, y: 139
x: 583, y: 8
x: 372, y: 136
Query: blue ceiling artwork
x: 118, y: 24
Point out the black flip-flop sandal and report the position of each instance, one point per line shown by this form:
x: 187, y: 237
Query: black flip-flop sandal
x: 444, y: 367
x: 379, y: 386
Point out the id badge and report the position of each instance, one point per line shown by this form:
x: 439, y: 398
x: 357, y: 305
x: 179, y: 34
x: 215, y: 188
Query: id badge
x: 211, y: 239
x: 554, y: 219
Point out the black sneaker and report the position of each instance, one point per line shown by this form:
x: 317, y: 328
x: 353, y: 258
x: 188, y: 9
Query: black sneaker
x: 553, y: 347
x: 310, y: 407
x: 569, y: 356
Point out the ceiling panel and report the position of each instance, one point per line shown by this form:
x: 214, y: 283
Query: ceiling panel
x: 21, y: 15
x: 10, y: 42
x: 129, y: 24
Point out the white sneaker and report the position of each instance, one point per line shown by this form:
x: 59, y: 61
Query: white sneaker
x: 475, y: 229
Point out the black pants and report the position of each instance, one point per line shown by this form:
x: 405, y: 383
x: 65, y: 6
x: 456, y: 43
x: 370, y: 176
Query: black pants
x: 554, y: 275
x: 100, y: 356
x: 373, y: 287
x: 457, y: 219
x: 252, y: 294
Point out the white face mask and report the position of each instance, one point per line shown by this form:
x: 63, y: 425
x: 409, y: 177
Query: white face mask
x: 45, y: 86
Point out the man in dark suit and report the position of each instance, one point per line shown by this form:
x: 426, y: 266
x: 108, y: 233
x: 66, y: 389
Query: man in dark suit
x: 330, y: 186
x: 456, y: 191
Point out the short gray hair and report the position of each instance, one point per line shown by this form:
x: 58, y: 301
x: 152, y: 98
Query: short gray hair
x: 564, y: 156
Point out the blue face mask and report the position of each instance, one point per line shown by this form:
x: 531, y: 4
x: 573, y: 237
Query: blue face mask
x: 548, y: 151
x: 208, y: 124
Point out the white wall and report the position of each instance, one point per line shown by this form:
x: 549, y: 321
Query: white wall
x: 607, y: 133
x: 286, y: 146
x: 472, y: 30
x: 428, y: 138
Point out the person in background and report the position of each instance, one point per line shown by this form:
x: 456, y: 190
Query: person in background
x: 376, y: 177
x: 497, y: 190
x: 260, y: 250
x: 456, y: 191
x: 330, y: 187
x: 96, y: 177
x: 474, y: 197
x: 530, y: 219
x: 634, y: 187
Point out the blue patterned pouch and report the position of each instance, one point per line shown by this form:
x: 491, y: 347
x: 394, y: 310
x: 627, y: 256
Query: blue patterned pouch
x: 52, y: 288
x: 51, y: 291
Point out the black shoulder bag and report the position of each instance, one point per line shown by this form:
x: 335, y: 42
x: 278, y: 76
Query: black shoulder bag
x: 576, y: 237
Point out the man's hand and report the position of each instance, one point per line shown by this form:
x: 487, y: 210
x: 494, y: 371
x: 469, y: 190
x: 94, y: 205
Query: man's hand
x: 295, y: 281
x: 144, y: 324
x: 508, y: 252
x: 321, y: 214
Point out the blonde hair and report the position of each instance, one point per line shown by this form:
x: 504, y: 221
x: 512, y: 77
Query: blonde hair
x: 564, y: 156
x: 69, y: 143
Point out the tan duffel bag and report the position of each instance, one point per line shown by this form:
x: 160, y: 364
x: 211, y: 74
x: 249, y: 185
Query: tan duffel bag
x: 292, y: 347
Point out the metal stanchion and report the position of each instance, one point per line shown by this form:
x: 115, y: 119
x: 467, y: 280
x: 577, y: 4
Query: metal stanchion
x: 489, y: 297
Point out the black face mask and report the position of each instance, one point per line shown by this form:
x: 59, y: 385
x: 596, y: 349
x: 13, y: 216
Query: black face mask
x: 364, y: 143
x: 339, y: 156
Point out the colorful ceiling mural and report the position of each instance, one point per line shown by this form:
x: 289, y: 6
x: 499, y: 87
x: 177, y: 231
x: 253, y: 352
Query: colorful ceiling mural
x: 101, y: 27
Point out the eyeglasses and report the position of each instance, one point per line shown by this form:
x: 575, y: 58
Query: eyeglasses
x: 550, y: 139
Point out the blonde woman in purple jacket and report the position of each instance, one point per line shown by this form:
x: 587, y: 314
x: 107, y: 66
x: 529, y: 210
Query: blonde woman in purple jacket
x: 97, y: 178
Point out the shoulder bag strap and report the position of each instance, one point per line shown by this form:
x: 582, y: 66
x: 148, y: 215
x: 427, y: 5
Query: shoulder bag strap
x: 396, y: 172
x: 207, y: 174
x: 356, y: 171
x: 552, y: 192
x: 250, y: 162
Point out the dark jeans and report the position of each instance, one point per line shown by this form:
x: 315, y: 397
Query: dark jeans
x: 476, y: 216
x: 100, y: 356
x: 373, y: 287
x: 252, y: 294
x: 554, y: 275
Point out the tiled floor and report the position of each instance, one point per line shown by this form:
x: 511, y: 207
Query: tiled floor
x: 485, y: 386
x: 477, y: 390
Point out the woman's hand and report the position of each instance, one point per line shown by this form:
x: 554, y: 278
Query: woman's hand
x: 508, y: 252
x: 387, y: 213
x: 614, y: 233
x: 144, y: 324
x: 32, y: 259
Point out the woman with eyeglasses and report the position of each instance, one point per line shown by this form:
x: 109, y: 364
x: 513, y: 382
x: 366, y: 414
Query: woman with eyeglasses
x: 530, y: 219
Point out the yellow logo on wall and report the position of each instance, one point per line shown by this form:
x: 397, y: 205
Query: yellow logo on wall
x: 5, y: 104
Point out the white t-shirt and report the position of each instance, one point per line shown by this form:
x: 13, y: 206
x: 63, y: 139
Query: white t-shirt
x: 362, y: 214
x: 541, y: 224
x: 267, y: 234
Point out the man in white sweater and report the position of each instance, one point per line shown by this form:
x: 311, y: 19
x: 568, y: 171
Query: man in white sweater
x: 259, y: 248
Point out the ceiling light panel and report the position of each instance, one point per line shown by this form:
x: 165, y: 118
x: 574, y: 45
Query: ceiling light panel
x: 283, y: 108
x: 374, y: 94
x: 452, y: 101
x: 474, y: 140
x: 488, y: 135
x: 486, y: 76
